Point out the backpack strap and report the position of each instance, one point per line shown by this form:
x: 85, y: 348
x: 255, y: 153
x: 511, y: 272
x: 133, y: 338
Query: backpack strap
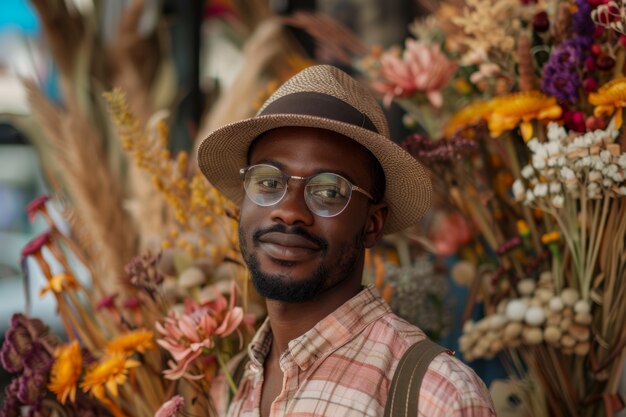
x: 404, y: 392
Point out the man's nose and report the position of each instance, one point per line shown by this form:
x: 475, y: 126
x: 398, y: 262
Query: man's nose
x: 292, y: 208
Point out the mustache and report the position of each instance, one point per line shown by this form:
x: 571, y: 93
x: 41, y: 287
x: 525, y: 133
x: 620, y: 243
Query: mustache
x: 296, y: 230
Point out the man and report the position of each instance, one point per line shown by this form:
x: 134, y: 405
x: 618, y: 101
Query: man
x: 319, y: 181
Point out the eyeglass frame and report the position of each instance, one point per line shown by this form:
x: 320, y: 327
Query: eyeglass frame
x: 287, y: 177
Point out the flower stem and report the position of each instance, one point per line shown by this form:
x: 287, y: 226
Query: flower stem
x: 229, y: 378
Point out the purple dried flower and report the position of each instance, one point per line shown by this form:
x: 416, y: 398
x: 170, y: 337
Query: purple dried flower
x: 561, y: 77
x: 38, y: 360
x: 582, y: 23
x: 19, y: 341
x: 508, y: 246
x: 560, y: 74
x: 144, y: 273
x: 31, y: 388
x: 441, y: 151
x: 11, y: 407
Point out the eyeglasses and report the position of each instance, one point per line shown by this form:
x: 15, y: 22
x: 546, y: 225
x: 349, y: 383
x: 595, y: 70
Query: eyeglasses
x: 326, y: 194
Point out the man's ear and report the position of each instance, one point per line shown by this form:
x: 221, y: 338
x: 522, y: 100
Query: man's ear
x: 375, y: 223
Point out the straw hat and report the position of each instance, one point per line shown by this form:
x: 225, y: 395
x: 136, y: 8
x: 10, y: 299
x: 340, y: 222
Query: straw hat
x: 323, y: 97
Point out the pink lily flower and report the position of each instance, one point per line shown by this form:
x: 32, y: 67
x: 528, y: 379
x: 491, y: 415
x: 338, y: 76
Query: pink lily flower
x: 422, y: 68
x: 192, y: 334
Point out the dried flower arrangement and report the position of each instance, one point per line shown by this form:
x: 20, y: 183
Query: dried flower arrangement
x: 521, y: 126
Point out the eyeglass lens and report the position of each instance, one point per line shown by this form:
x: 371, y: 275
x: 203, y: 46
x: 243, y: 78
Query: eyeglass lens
x: 326, y: 194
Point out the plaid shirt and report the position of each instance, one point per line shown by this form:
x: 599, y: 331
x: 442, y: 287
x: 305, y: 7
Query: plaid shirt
x: 344, y: 365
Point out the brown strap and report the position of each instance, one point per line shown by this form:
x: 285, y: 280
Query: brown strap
x: 403, y: 397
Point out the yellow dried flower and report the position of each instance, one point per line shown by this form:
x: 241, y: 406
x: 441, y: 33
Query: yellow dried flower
x: 520, y: 109
x: 59, y: 283
x: 551, y: 237
x: 610, y: 96
x: 139, y: 340
x: 107, y: 374
x: 66, y: 370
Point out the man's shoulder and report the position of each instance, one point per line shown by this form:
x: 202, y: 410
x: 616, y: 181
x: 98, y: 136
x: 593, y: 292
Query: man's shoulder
x: 450, y: 383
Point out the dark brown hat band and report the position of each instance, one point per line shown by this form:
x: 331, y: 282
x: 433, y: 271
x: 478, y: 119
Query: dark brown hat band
x: 310, y: 103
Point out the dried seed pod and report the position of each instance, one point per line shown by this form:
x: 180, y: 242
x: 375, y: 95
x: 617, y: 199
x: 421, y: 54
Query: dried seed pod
x: 532, y: 335
x: 579, y: 332
x: 568, y: 341
x: 534, y: 316
x: 565, y: 323
x: 569, y: 296
x: 583, y: 318
x: 516, y: 309
x: 582, y: 306
x: 582, y: 349
x: 512, y: 331
x: 552, y: 334
x: 556, y: 304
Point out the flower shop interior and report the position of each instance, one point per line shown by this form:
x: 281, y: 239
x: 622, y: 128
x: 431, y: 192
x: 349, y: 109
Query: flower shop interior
x: 110, y: 235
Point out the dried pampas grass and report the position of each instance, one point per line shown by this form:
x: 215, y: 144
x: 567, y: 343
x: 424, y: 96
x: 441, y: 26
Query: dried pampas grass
x: 74, y: 156
x: 237, y: 102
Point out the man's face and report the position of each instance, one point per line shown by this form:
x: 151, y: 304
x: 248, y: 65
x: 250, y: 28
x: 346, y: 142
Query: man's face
x: 294, y: 254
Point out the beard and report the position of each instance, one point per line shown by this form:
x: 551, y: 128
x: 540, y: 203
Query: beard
x: 281, y: 287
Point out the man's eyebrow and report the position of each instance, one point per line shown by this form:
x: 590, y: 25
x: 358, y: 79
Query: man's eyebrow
x: 281, y: 166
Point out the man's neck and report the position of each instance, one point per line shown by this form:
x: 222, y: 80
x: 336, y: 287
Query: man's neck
x: 291, y: 320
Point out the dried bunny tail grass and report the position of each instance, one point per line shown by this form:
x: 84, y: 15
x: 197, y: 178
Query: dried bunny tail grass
x: 75, y: 158
x: 527, y: 78
x: 335, y: 39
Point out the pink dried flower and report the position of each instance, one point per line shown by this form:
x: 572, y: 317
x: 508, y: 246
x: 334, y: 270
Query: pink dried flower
x: 34, y: 206
x: 190, y: 335
x: 450, y: 234
x: 107, y: 302
x: 36, y: 244
x: 171, y: 407
x: 132, y: 303
x: 421, y: 68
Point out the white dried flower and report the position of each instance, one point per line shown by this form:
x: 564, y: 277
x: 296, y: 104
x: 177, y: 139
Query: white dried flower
x: 597, y: 163
x: 622, y: 160
x: 595, y: 176
x: 528, y: 172
x: 541, y: 189
x: 538, y: 162
x: 553, y: 148
x: 518, y: 190
x: 558, y: 201
x: 567, y: 173
x: 555, y: 187
x: 607, y: 183
x: 610, y: 169
x: 605, y: 156
x: 622, y: 190
x: 533, y: 144
x: 530, y: 197
x: 556, y: 132
x: 585, y: 161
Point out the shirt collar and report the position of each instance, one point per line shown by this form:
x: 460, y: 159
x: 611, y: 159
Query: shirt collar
x: 330, y: 333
